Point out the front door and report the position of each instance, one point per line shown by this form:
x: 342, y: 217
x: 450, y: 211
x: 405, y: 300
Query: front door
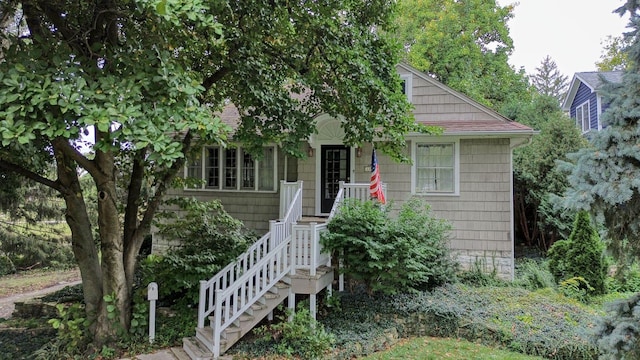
x: 334, y: 168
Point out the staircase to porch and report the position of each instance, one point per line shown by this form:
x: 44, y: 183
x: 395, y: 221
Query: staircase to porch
x: 284, y: 262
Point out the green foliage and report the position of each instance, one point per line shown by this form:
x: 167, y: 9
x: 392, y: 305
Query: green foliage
x: 302, y: 337
x: 390, y: 254
x: 559, y: 262
x: 533, y: 275
x: 534, y: 323
x: 465, y: 45
x: 209, y: 240
x: 625, y: 280
x: 72, y: 328
x: 613, y: 56
x: 6, y: 265
x: 479, y: 275
x: 618, y: 334
x: 538, y: 181
x: 37, y: 249
x: 581, y: 257
x: 576, y: 288
x: 605, y: 177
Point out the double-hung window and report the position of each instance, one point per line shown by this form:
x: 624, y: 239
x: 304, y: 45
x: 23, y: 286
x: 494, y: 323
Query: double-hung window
x: 216, y: 168
x: 583, y: 117
x: 435, y: 168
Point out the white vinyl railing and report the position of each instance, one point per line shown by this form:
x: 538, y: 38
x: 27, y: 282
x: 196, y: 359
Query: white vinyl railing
x: 352, y: 191
x: 279, y: 232
x: 233, y: 301
x: 305, y: 250
x: 288, y: 192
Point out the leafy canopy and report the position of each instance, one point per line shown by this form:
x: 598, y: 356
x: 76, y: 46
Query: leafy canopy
x: 463, y: 44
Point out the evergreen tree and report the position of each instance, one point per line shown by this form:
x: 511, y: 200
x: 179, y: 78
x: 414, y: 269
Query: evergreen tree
x: 606, y: 176
x: 540, y: 221
x: 582, y: 255
x: 549, y: 81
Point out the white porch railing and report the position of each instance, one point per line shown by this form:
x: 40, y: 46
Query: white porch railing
x: 287, y: 247
x: 352, y: 191
x: 305, y: 250
x: 288, y: 192
x: 232, y: 302
x: 231, y: 275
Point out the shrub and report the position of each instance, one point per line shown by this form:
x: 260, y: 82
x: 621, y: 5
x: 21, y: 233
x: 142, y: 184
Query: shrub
x: 6, y: 265
x: 626, y: 280
x: 390, y: 254
x: 581, y: 256
x: 210, y: 239
x: 301, y: 337
x: 533, y: 274
x: 618, y: 333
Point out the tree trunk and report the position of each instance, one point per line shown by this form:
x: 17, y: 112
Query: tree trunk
x: 84, y: 248
x: 114, y: 286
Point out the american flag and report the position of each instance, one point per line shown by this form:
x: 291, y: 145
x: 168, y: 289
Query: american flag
x: 375, y: 187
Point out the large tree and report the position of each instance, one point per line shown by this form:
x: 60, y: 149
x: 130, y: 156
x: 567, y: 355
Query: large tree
x: 614, y: 55
x: 537, y: 178
x: 549, y: 81
x: 606, y: 176
x: 464, y: 44
x: 122, y: 91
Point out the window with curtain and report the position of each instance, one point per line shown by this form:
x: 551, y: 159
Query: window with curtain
x: 435, y: 168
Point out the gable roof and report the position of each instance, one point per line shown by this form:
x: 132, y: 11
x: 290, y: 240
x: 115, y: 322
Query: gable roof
x: 591, y: 79
x: 460, y: 114
x: 470, y: 119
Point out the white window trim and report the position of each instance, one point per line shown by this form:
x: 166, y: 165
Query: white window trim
x: 456, y: 166
x: 588, y: 113
x: 239, y: 188
x: 408, y: 79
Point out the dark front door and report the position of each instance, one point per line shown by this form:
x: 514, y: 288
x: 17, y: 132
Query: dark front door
x: 334, y: 168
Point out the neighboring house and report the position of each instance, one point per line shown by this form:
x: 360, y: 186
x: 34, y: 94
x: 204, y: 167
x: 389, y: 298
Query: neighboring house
x: 584, y: 101
x: 465, y: 174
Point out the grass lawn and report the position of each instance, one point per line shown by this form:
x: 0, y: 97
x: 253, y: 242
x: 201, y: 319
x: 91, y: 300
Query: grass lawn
x: 429, y: 348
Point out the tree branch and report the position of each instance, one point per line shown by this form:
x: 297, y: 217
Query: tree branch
x: 133, y: 196
x: 11, y: 167
x: 162, y: 184
x: 208, y: 82
x: 63, y: 145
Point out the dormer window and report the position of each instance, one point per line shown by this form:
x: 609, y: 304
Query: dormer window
x: 406, y: 85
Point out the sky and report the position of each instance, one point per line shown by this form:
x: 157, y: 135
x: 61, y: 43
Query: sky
x: 571, y: 32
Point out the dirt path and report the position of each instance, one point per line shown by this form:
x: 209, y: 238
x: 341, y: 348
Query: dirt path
x: 33, y: 288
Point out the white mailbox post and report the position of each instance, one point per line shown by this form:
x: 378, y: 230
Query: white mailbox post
x: 152, y: 296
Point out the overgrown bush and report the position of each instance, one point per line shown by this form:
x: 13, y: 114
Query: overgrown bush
x: 618, y: 333
x: 210, y: 239
x: 581, y: 256
x: 627, y: 280
x: 390, y: 254
x: 533, y: 274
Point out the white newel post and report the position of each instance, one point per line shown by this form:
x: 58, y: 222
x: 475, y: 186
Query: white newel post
x: 152, y: 296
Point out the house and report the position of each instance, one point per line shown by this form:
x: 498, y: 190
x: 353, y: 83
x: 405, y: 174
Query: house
x: 465, y: 174
x: 584, y: 100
